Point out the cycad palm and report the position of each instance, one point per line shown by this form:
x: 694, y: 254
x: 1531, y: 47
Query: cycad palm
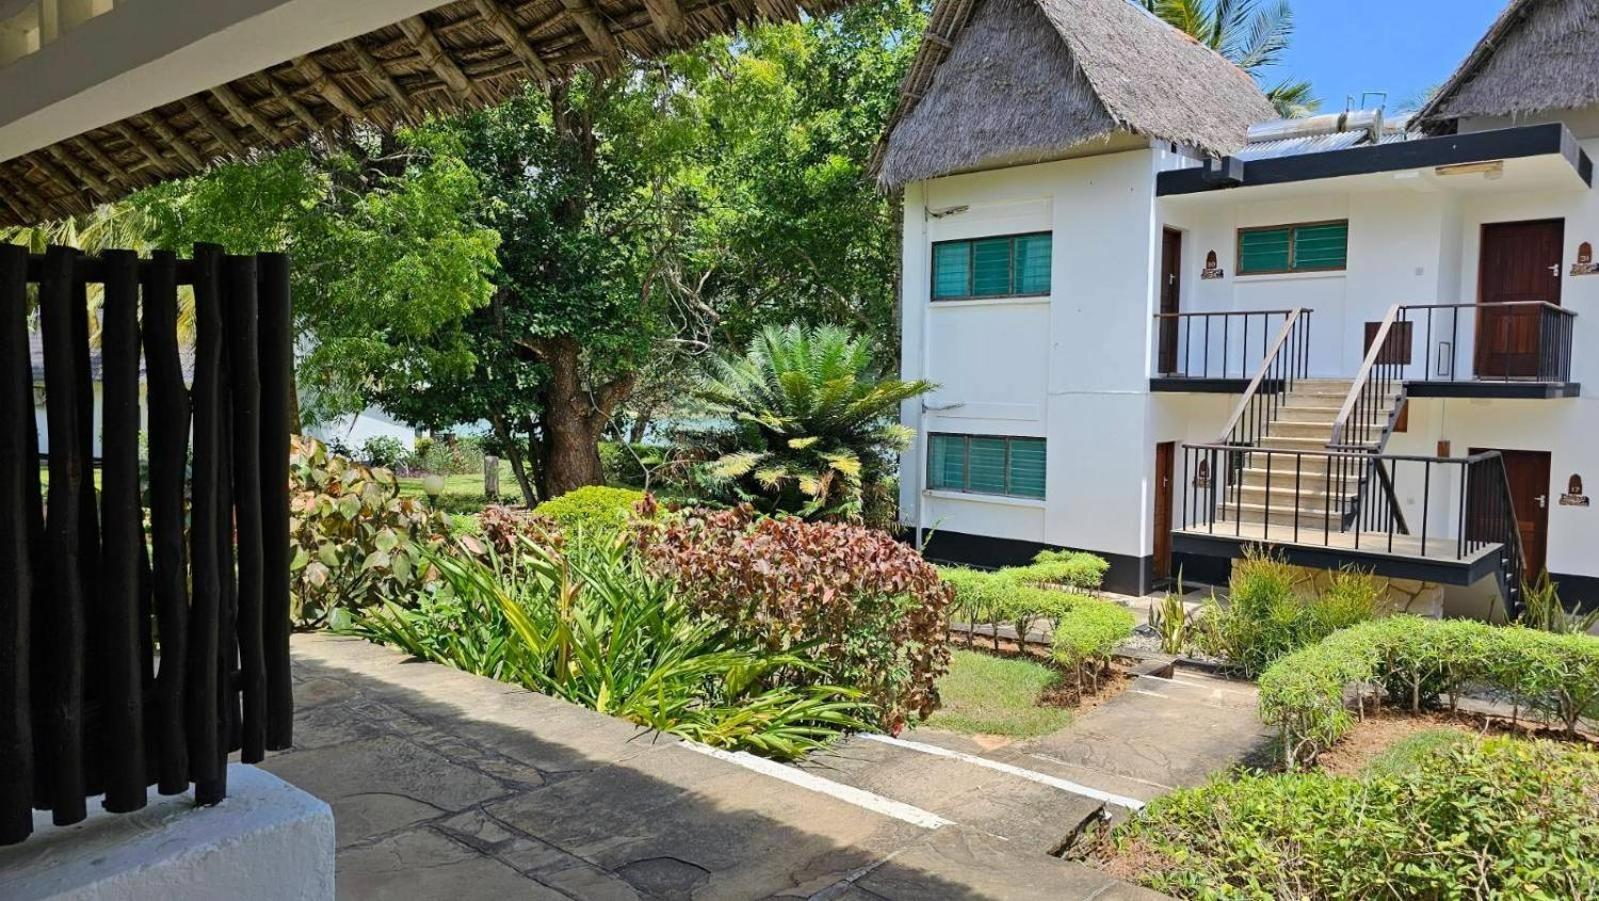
x: 814, y: 420
x: 1253, y: 37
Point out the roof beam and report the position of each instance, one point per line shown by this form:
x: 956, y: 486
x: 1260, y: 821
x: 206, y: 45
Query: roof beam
x: 112, y: 170
x: 294, y: 106
x: 215, y: 127
x: 595, y: 29
x: 179, y: 144
x: 78, y: 170
x: 327, y: 88
x: 505, y: 29
x: 433, y: 53
x: 246, y: 114
x: 139, y: 142
x: 667, y: 16
x: 380, y: 78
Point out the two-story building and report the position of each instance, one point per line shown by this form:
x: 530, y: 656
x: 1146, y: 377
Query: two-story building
x: 1167, y: 326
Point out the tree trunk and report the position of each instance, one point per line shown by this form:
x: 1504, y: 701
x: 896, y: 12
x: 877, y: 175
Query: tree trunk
x: 513, y: 452
x: 574, y: 420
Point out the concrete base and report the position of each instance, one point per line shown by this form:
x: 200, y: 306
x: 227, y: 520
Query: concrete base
x: 267, y: 840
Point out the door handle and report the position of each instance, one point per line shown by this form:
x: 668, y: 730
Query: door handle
x: 1543, y: 500
x: 1554, y: 270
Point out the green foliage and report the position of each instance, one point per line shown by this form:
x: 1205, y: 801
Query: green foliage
x: 986, y: 694
x: 814, y: 423
x: 628, y: 465
x: 1268, y: 617
x: 591, y: 626
x: 871, y: 613
x: 1412, y: 751
x: 355, y: 539
x: 1494, y: 817
x: 596, y: 513
x: 1250, y: 35
x: 1170, y: 619
x: 1543, y: 609
x: 1410, y: 661
x: 1087, y: 634
x: 1073, y: 570
x: 383, y: 451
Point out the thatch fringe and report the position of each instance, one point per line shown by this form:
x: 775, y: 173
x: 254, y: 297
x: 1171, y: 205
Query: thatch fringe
x: 1539, y: 55
x: 999, y: 82
x: 460, y: 56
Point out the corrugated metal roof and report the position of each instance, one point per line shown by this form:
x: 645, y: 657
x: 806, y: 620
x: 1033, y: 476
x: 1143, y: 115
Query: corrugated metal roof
x: 1298, y: 146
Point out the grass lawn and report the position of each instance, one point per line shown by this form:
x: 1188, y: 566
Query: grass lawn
x: 463, y: 494
x: 993, y: 695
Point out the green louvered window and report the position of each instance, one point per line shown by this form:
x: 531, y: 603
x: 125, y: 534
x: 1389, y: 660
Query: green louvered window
x: 986, y: 464
x: 1008, y: 266
x: 1317, y: 247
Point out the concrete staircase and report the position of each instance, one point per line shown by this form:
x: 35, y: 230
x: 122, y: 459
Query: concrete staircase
x: 1312, y: 489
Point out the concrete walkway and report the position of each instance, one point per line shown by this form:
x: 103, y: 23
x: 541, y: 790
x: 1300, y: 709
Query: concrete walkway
x: 447, y: 785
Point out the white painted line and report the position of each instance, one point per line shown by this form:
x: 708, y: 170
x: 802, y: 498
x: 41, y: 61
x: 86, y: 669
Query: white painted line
x: 812, y: 782
x: 1056, y: 760
x: 1065, y: 785
x: 1156, y: 694
x: 1211, y: 685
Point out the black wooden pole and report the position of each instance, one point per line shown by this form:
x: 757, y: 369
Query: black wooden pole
x: 88, y: 506
x: 244, y: 380
x: 207, y: 754
x: 19, y: 486
x: 70, y: 480
x: 122, y: 520
x: 277, y: 373
x: 169, y: 448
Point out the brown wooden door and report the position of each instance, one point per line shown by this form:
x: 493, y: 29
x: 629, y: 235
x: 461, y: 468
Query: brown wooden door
x: 1165, y: 456
x: 1529, y: 492
x: 1171, y: 286
x: 1520, y: 261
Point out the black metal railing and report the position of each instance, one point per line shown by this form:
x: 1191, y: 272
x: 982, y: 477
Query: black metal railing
x: 1524, y: 340
x: 1217, y: 345
x: 1367, y: 415
x: 1285, y: 361
x: 1347, y: 500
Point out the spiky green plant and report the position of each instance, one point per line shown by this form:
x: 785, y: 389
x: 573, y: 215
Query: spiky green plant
x: 813, y: 422
x: 1249, y: 34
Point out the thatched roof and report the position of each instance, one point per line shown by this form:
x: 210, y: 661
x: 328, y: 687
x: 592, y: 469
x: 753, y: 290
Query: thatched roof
x: 462, y: 55
x: 1002, y: 82
x: 1539, y: 55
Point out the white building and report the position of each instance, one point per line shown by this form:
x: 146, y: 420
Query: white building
x: 1117, y: 283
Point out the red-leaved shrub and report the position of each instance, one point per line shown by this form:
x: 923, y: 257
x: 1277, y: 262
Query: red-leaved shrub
x: 875, y: 613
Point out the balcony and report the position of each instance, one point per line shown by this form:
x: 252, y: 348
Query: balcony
x: 1442, y: 519
x: 1219, y: 353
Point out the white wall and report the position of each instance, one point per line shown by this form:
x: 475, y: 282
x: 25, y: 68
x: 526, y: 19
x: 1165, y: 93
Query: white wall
x: 1072, y: 367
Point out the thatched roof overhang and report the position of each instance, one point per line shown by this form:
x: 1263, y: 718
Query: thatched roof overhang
x: 1538, y: 56
x: 458, y: 56
x: 1001, y: 82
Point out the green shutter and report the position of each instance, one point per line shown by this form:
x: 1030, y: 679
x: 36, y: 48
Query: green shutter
x: 952, y: 269
x: 1321, y: 246
x: 1263, y: 250
x: 1027, y: 467
x: 1032, y: 264
x: 987, y: 465
x: 991, y: 267
x: 946, y: 462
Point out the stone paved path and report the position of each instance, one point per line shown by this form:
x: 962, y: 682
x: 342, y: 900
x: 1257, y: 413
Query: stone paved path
x: 446, y: 785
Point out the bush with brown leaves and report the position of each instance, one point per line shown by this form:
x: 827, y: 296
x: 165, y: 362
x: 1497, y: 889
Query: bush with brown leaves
x: 868, y: 610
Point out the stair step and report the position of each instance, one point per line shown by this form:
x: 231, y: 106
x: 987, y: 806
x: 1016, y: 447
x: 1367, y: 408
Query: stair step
x: 1307, y: 517
x: 1284, y: 494
x: 1294, y: 428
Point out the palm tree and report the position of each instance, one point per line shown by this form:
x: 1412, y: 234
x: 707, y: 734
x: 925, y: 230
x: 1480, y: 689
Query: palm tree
x: 814, y: 423
x: 1251, y: 35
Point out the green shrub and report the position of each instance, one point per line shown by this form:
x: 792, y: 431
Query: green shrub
x: 384, y: 451
x: 870, y: 611
x: 995, y: 598
x: 1087, y: 634
x: 1073, y: 570
x: 595, y: 512
x: 625, y: 464
x: 1410, y: 661
x: 355, y: 539
x: 591, y: 626
x: 1267, y: 617
x: 1495, y: 817
x: 1541, y: 608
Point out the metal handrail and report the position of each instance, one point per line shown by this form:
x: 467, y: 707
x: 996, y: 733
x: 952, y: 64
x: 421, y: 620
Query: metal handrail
x: 1233, y: 331
x: 1556, y: 333
x: 1379, y: 345
x: 1283, y: 334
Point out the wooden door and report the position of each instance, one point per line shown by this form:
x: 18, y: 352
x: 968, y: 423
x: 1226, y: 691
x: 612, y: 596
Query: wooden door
x: 1529, y: 493
x: 1165, y: 457
x: 1171, y: 285
x: 1520, y: 261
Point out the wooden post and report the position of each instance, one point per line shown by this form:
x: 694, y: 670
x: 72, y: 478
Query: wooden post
x: 120, y: 742
x: 491, y: 477
x: 242, y: 322
x: 169, y: 450
x: 70, y: 480
x: 277, y: 383
x: 19, y: 487
x: 207, y: 756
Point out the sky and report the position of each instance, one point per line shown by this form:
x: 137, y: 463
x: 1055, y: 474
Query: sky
x: 1403, y: 47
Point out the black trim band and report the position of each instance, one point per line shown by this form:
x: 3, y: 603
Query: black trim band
x: 1127, y: 574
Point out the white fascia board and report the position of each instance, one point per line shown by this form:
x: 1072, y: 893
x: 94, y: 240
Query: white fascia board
x: 143, y: 54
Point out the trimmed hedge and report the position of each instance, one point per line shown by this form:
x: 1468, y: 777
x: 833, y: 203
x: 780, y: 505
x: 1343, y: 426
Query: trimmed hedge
x: 1412, y: 661
x: 596, y: 511
x: 992, y: 598
x: 1073, y: 570
x: 1086, y: 636
x: 1494, y: 817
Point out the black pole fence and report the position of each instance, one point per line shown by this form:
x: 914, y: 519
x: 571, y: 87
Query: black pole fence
x: 144, y: 621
